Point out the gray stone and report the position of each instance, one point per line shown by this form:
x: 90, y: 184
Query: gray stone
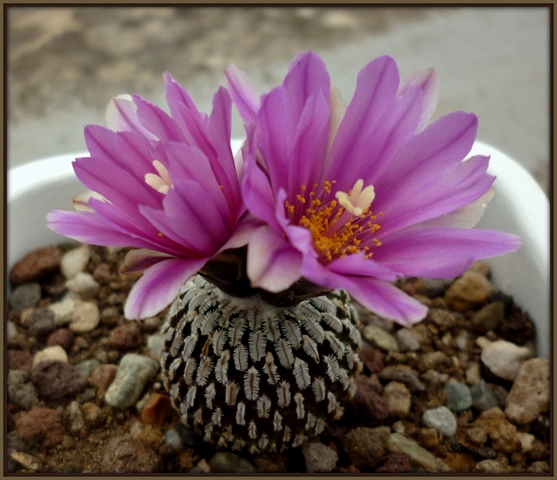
x: 402, y: 375
x: 419, y: 456
x: 483, y: 397
x: 407, y: 340
x: 228, y: 462
x: 25, y: 296
x: 440, y: 419
x: 133, y: 373
x: 319, y: 458
x: 87, y: 367
x: 379, y: 338
x: 458, y: 397
x: 488, y: 318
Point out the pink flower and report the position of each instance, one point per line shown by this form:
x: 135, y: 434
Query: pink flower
x: 356, y: 197
x: 166, y: 185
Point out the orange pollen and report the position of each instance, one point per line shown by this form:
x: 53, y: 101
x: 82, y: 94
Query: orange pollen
x: 336, y: 231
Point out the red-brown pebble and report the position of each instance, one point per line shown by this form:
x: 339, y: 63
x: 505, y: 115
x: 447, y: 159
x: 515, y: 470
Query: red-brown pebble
x: 156, y: 410
x: 102, y: 377
x: 55, y: 380
x: 20, y: 360
x: 63, y: 337
x: 397, y: 462
x: 42, y: 425
x: 126, y: 337
x: 366, y: 407
x: 372, y: 358
x: 36, y: 265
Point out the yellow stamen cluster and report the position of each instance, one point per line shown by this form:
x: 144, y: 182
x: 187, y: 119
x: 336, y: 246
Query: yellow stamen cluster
x: 337, y: 226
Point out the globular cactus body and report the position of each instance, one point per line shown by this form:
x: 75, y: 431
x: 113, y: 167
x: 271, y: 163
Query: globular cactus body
x: 244, y: 373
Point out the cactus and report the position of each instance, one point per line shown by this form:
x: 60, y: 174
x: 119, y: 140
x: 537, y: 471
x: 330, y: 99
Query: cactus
x: 244, y: 373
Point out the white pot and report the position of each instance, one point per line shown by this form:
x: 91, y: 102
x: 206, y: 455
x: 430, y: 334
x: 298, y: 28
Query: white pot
x: 519, y: 207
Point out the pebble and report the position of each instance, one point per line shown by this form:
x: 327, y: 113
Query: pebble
x: 407, y: 340
x: 172, y: 438
x: 433, y: 360
x: 402, y: 375
x: 75, y: 420
x: 36, y: 265
x: 133, y: 373
x: 396, y: 442
x: 372, y: 358
x: 55, y: 380
x: 473, y: 373
x: 74, y: 261
x: 379, y: 338
x: 41, y: 425
x: 228, y: 462
x: 530, y: 393
x: 488, y: 318
x: 126, y: 337
x: 483, y: 397
x: 461, y: 339
x: 538, y: 467
x: 155, y: 344
x: 477, y: 435
x: 41, y: 323
x: 440, y: 419
x: 21, y: 391
x: 85, y: 317
x: 396, y: 462
x: 156, y: 409
x: 319, y: 458
x: 11, y: 330
x: 458, y: 396
x: 126, y: 455
x: 103, y: 376
x: 398, y: 399
x: 102, y: 272
x: 366, y: 407
x: 504, y: 358
x: 471, y: 290
x: 55, y: 354
x: 201, y: 467
x: 433, y: 287
x: 63, y: 337
x: 20, y: 360
x: 83, y: 283
x: 526, y: 441
x: 25, y: 296
x: 63, y: 311
x: 489, y: 466
x: 26, y: 461
x: 365, y: 446
x: 87, y: 367
x: 443, y: 318
x: 110, y: 316
x: 502, y: 433
x: 93, y: 414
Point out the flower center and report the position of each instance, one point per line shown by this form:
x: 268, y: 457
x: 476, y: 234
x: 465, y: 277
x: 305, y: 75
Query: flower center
x: 161, y: 182
x: 338, y: 226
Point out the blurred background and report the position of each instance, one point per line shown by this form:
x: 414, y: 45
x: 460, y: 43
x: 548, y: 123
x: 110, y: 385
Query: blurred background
x: 65, y: 63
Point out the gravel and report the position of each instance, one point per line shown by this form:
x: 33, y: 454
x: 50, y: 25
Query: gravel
x: 431, y: 397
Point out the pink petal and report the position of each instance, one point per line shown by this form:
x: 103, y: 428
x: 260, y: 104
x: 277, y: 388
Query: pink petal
x: 121, y: 116
x: 159, y: 286
x: 426, y: 195
x: 439, y: 252
x: 272, y: 263
x: 357, y: 265
x: 243, y: 92
x: 140, y: 259
x: 428, y: 82
x: 157, y: 121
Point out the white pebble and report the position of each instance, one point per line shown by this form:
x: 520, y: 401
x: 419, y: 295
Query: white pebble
x: 74, y: 261
x: 172, y: 437
x: 11, y: 329
x: 50, y: 353
x: 155, y: 343
x: 63, y: 311
x: 526, y: 441
x: 504, y: 358
x: 86, y: 317
x: 440, y: 419
x: 83, y: 283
